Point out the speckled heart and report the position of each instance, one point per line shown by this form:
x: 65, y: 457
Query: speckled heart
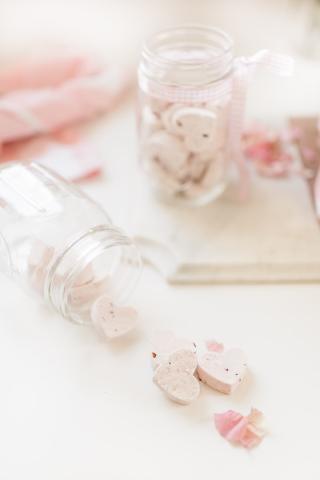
x: 111, y: 320
x: 223, y: 371
x: 176, y: 377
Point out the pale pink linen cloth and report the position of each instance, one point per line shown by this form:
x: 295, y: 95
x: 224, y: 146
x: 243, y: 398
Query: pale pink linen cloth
x: 69, y: 155
x: 44, y: 95
x: 38, y: 71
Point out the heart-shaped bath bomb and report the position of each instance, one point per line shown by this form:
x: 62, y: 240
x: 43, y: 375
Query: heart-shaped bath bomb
x: 176, y: 377
x: 111, y: 320
x: 165, y: 343
x: 85, y: 293
x: 223, y: 371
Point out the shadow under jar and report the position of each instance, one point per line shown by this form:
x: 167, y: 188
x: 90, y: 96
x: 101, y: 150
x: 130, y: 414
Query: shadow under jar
x: 59, y: 244
x: 185, y: 89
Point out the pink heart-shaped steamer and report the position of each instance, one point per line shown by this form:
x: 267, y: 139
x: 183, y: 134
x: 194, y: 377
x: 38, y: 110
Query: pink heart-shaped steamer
x: 176, y: 377
x: 165, y: 343
x: 223, y: 371
x: 111, y: 320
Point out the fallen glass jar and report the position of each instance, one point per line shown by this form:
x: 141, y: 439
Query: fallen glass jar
x: 191, y: 107
x: 59, y: 244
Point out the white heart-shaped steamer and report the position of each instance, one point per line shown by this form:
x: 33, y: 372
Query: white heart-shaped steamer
x: 186, y: 120
x: 212, y: 175
x: 198, y: 166
x: 223, y: 371
x: 215, y: 172
x: 157, y: 105
x: 176, y: 377
x: 150, y: 122
x: 85, y: 293
x: 168, y: 115
x: 166, y: 150
x: 164, y: 344
x: 198, y: 127
x: 111, y: 320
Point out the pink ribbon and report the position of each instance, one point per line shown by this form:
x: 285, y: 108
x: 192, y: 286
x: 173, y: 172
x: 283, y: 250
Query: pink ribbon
x: 180, y: 94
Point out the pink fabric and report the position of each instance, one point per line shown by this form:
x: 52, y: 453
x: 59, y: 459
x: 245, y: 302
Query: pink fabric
x: 25, y: 113
x: 39, y: 72
x: 65, y: 153
x: 271, y: 151
x: 41, y: 97
x: 239, y: 429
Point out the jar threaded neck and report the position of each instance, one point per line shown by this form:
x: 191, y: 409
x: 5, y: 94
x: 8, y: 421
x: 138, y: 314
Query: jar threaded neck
x: 113, y: 260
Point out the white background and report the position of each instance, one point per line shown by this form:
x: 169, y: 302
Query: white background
x: 75, y: 408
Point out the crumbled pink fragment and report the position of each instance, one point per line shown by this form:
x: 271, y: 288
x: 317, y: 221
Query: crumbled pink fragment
x: 230, y: 425
x: 214, y: 346
x: 239, y: 429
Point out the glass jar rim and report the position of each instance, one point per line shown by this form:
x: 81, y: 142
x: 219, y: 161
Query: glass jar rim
x: 94, y: 243
x: 150, y: 53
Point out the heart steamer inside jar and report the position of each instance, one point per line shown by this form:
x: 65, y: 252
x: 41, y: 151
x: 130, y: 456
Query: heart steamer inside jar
x: 62, y: 247
x: 185, y: 93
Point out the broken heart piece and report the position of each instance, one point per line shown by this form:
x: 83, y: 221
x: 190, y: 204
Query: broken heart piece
x: 111, y: 320
x: 239, y: 429
x: 176, y: 377
x: 223, y: 371
x: 167, y: 150
x: 165, y: 343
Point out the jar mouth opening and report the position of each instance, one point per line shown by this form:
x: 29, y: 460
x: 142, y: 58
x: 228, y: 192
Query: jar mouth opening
x: 106, y: 261
x: 189, y: 47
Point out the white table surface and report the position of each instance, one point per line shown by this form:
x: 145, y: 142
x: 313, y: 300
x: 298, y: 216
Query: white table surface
x: 75, y: 408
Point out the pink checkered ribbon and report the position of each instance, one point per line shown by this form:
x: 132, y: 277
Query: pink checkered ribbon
x: 234, y: 85
x: 181, y: 94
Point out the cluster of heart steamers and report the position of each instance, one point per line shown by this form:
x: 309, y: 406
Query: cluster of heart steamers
x: 88, y: 294
x: 184, y: 145
x: 179, y: 368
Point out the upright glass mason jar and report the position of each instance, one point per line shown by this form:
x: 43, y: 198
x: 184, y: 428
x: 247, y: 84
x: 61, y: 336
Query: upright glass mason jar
x: 59, y: 244
x: 185, y: 91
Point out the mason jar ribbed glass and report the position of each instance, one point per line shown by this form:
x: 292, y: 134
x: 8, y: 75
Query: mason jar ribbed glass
x: 59, y: 244
x: 185, y: 85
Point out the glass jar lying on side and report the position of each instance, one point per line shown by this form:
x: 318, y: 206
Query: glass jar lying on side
x: 184, y: 108
x: 59, y: 244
